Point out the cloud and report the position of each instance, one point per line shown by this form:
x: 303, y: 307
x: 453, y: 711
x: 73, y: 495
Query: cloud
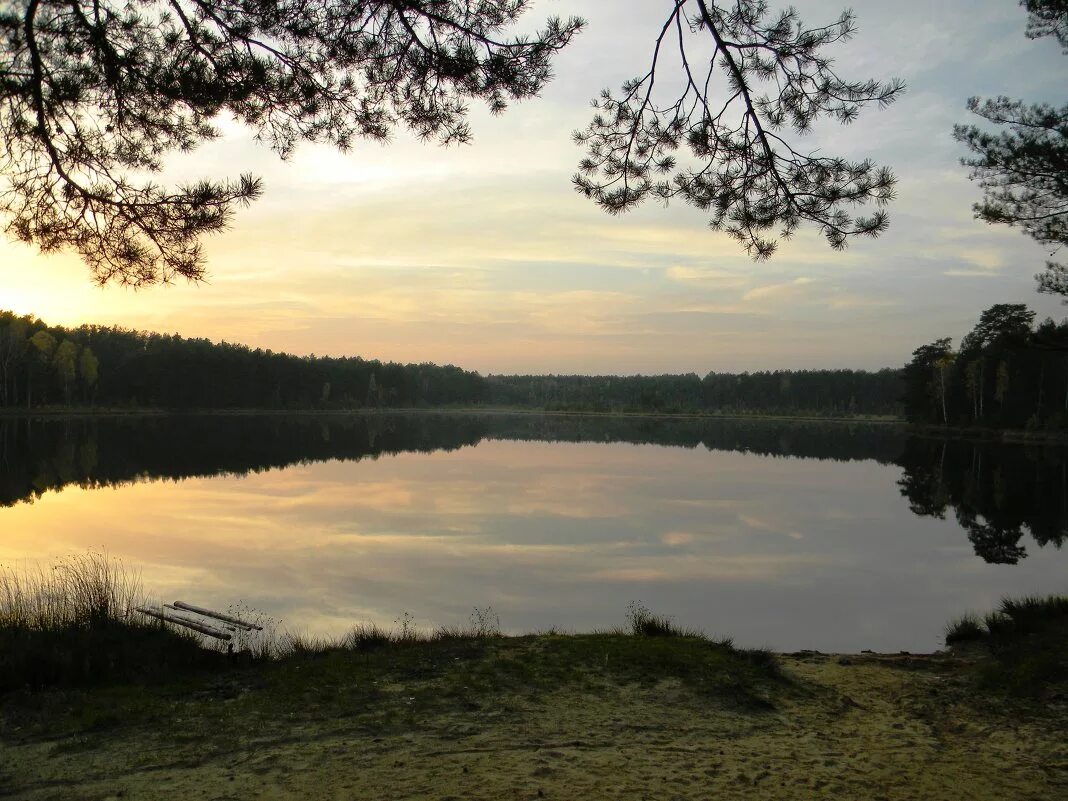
x: 842, y: 301
x: 970, y: 273
x: 705, y: 277
x: 677, y: 538
x: 787, y: 289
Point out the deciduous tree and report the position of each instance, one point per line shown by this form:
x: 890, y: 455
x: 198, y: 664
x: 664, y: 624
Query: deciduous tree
x: 88, y: 371
x: 41, y: 347
x: 65, y: 363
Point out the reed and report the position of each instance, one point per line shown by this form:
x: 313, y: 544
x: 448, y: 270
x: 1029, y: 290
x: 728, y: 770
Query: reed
x: 73, y: 623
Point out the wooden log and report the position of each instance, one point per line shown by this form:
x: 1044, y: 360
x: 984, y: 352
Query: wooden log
x: 217, y: 615
x: 203, y: 628
x: 226, y: 626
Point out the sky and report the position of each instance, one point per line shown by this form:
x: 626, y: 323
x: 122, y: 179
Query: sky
x: 484, y: 256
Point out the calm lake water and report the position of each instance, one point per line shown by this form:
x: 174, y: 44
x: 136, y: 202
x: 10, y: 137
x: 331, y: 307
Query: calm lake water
x: 791, y: 535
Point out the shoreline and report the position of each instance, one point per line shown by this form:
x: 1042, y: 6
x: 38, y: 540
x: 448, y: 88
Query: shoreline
x: 542, y: 717
x: 1013, y: 436
x: 45, y: 413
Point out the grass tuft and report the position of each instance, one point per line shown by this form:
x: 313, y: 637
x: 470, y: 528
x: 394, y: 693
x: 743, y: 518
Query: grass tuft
x: 645, y: 623
x: 1027, y: 639
x: 966, y: 628
x: 484, y: 624
x: 367, y: 637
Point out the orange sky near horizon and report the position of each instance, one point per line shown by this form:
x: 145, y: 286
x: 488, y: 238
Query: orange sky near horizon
x: 485, y: 257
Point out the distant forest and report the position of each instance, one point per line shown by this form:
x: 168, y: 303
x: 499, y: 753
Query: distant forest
x: 1007, y: 373
x: 42, y: 365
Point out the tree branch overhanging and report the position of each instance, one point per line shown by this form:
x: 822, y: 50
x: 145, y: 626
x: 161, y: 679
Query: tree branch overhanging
x: 95, y: 93
x: 728, y: 156
x: 1023, y: 168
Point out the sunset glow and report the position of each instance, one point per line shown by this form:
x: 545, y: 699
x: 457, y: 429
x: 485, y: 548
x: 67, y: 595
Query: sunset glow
x: 484, y: 256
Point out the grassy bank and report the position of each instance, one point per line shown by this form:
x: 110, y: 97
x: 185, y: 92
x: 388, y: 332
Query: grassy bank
x: 647, y: 710
x: 599, y: 716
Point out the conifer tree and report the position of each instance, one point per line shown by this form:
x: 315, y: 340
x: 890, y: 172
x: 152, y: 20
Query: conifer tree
x: 724, y: 132
x: 1023, y: 167
x: 94, y: 94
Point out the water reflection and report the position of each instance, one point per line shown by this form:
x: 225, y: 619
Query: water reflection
x: 553, y: 520
x: 995, y: 491
x: 38, y: 455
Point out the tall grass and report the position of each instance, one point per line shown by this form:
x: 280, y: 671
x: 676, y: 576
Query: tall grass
x: 643, y: 622
x: 484, y: 624
x: 85, y: 591
x: 1027, y: 639
x: 73, y: 623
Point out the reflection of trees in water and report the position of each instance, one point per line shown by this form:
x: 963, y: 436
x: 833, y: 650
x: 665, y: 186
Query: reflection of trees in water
x: 996, y: 491
x: 48, y: 454
x: 37, y: 455
x: 766, y: 437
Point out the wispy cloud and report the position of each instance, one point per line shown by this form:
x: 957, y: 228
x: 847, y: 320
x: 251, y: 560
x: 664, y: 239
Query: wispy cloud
x: 706, y: 277
x: 787, y: 289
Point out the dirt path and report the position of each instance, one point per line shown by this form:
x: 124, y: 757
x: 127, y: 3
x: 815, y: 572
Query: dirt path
x: 868, y: 729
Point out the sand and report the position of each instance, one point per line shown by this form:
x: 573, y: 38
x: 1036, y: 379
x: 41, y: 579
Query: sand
x: 862, y: 727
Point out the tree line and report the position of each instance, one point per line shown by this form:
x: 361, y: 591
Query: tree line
x: 39, y: 364
x: 116, y: 367
x: 1007, y: 373
x: 787, y: 392
x: 42, y: 365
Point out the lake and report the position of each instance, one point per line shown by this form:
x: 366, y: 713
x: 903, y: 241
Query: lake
x: 793, y: 535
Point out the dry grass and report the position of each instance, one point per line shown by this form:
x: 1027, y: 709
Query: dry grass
x: 74, y: 623
x: 87, y: 591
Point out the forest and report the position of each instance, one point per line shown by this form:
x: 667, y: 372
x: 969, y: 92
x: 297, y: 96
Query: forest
x: 42, y: 365
x: 1007, y: 373
x: 108, y: 367
x: 832, y: 393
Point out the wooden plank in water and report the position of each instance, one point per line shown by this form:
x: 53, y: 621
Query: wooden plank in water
x: 217, y: 615
x: 203, y: 628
